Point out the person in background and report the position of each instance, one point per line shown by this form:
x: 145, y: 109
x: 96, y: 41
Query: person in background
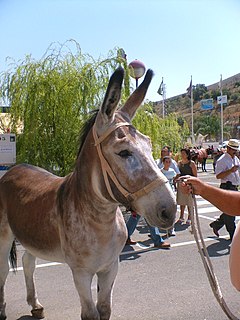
x: 221, y: 199
x: 216, y: 157
x: 131, y: 226
x: 186, y: 167
x: 227, y: 170
x: 166, y: 152
x: 170, y: 173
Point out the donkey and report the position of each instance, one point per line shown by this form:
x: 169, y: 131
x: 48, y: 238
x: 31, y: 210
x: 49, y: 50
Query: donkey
x: 76, y: 219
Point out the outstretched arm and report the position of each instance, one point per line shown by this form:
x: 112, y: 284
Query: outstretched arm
x: 225, y: 200
x: 234, y: 260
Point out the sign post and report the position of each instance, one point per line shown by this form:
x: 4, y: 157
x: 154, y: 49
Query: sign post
x: 7, y: 152
x: 206, y: 104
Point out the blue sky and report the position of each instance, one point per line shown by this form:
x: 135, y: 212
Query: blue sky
x: 175, y: 38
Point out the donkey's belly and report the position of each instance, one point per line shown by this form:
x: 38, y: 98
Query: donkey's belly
x: 53, y: 256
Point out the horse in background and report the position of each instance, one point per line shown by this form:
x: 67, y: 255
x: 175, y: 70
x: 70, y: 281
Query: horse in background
x: 200, y: 155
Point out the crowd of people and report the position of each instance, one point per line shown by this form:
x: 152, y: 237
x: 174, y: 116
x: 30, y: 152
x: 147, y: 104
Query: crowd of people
x: 172, y: 170
x: 226, y: 165
x: 182, y: 176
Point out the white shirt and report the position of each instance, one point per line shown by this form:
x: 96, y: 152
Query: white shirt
x: 226, y: 162
x: 170, y: 174
x: 173, y: 165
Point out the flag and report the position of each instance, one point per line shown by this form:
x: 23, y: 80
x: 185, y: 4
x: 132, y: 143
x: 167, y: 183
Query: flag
x: 160, y: 89
x: 189, y: 89
x: 220, y: 83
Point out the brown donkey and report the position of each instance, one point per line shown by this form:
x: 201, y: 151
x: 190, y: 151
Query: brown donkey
x: 76, y: 219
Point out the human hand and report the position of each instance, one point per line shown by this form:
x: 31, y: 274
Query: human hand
x: 189, y: 184
x: 234, y: 168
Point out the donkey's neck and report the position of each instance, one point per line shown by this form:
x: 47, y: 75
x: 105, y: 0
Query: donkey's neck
x: 87, y: 179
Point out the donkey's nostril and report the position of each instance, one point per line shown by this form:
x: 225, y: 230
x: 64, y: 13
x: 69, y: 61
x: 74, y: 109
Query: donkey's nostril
x: 165, y: 214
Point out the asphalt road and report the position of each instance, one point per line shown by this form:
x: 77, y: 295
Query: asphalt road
x: 151, y: 284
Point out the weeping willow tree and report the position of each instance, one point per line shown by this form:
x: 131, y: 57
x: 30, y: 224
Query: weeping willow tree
x: 162, y: 132
x: 51, y: 98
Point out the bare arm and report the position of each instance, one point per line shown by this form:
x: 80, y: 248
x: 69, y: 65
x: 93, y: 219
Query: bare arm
x: 218, y: 197
x: 224, y: 174
x: 194, y: 169
x: 234, y: 260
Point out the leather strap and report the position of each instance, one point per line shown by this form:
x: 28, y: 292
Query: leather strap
x: 107, y: 171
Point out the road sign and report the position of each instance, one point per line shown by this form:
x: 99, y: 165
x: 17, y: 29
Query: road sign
x: 7, y: 152
x: 222, y: 99
x: 206, y: 104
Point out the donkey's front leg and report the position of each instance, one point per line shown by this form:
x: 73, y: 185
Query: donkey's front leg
x: 29, y: 268
x: 105, y: 285
x: 83, y: 281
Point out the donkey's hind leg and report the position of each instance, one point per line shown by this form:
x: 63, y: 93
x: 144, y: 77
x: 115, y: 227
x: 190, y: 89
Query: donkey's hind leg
x: 6, y: 240
x: 29, y: 268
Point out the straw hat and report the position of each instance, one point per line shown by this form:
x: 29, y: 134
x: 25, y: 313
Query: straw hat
x: 233, y: 144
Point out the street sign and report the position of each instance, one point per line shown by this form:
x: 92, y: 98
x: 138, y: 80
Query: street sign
x: 7, y: 152
x: 7, y: 149
x: 206, y: 104
x: 222, y: 99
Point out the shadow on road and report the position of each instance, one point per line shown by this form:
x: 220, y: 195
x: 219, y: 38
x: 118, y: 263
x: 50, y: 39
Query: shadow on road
x: 133, y: 253
x: 220, y: 248
x: 26, y: 317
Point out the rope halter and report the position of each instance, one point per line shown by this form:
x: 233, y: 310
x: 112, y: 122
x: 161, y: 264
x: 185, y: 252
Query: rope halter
x: 107, y: 171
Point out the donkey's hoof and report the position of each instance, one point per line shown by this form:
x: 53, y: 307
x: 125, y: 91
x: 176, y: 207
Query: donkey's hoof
x: 2, y: 312
x: 37, y: 313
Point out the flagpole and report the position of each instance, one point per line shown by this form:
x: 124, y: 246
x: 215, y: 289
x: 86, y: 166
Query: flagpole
x: 163, y: 99
x: 193, y: 140
x: 162, y: 92
x: 220, y: 85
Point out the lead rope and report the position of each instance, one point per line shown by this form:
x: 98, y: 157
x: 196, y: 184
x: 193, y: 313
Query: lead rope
x: 207, y: 262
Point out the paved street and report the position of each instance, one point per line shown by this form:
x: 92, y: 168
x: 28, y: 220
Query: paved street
x: 151, y: 284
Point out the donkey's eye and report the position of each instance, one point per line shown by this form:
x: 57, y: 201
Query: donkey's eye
x: 125, y: 154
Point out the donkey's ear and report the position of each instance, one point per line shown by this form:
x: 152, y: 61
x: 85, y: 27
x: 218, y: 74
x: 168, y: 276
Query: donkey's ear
x: 136, y: 98
x: 113, y: 95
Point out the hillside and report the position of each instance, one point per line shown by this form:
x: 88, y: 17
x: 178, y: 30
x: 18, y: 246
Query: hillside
x: 181, y: 104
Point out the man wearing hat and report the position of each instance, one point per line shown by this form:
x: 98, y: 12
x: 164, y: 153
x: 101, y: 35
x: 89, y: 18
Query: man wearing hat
x: 227, y: 169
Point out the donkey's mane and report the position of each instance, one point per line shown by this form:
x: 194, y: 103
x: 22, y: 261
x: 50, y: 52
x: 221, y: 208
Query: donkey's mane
x: 86, y: 127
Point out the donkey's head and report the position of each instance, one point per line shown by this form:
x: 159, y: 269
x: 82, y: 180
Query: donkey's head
x: 132, y: 177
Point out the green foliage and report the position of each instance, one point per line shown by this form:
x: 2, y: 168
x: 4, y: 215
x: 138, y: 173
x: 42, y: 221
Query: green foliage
x: 162, y: 132
x: 209, y: 125
x: 226, y: 91
x: 237, y: 84
x: 235, y: 97
x: 206, y: 96
x: 51, y: 99
x: 215, y: 94
x: 198, y: 92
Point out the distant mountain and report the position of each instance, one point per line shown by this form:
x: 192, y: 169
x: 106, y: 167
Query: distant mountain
x: 226, y: 82
x: 181, y: 104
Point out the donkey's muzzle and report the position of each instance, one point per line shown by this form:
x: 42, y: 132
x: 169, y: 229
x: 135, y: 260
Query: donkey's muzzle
x: 165, y: 217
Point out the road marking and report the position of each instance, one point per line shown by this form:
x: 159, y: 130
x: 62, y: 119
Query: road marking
x: 207, y: 218
x: 180, y: 244
x: 43, y: 265
x: 194, y: 242
x: 202, y: 202
x: 143, y: 248
x: 207, y: 210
